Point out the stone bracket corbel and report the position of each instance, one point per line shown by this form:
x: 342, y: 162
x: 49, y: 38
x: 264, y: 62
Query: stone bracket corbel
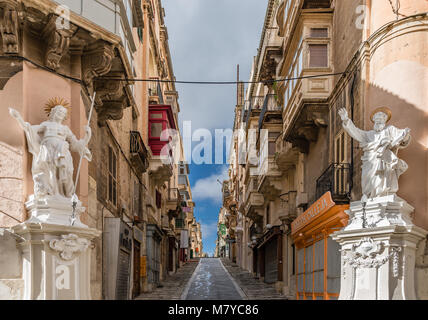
x: 9, y: 26
x: 97, y: 61
x: 57, y: 41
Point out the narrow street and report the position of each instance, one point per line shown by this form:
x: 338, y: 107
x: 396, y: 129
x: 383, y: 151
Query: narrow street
x: 211, y: 279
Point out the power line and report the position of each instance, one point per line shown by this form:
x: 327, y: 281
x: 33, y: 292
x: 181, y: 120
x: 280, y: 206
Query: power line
x: 171, y: 81
x: 42, y: 67
x: 222, y: 82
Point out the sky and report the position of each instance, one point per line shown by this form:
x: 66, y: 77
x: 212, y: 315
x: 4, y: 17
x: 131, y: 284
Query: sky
x: 207, y: 40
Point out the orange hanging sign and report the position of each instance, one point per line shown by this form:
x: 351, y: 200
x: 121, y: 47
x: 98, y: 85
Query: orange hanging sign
x: 319, y: 207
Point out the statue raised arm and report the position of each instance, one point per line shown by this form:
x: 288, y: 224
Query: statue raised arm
x: 350, y: 127
x: 31, y: 132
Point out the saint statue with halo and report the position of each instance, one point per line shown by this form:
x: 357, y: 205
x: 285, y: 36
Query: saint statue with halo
x: 50, y: 143
x: 381, y: 167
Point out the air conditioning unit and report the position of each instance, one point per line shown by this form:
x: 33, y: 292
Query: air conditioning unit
x: 117, y: 249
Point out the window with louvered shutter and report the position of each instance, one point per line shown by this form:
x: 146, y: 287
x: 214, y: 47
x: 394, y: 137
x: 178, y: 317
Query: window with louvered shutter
x: 318, y: 57
x: 319, y: 32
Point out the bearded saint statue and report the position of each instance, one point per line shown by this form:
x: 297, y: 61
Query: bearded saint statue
x: 381, y: 167
x: 50, y: 143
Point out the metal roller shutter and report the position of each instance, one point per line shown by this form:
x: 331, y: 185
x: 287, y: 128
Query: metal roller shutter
x: 271, y: 261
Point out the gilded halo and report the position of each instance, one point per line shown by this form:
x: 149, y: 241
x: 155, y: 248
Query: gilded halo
x: 385, y: 110
x: 53, y: 102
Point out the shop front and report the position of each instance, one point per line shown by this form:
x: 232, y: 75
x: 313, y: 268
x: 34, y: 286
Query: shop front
x: 317, y: 257
x: 154, y: 237
x: 184, y: 245
x: 269, y: 255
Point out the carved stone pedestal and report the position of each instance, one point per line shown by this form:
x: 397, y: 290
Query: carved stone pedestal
x: 56, y: 260
x: 379, y: 250
x: 379, y: 212
x: 53, y: 210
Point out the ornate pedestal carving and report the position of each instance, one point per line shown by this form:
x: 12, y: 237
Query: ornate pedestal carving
x: 379, y: 250
x: 56, y: 260
x: 379, y: 212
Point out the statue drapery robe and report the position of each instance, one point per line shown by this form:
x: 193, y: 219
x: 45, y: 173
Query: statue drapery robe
x: 381, y: 167
x: 52, y: 168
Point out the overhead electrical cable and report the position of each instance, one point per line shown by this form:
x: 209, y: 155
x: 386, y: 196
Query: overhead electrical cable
x: 169, y: 81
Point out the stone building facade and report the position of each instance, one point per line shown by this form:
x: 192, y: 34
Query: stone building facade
x: 289, y: 186
x: 72, y: 49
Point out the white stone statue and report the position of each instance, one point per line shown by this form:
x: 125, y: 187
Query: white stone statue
x: 381, y: 167
x: 50, y: 143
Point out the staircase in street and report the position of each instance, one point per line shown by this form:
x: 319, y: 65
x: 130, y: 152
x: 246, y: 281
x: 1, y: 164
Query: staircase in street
x: 253, y: 288
x: 172, y: 287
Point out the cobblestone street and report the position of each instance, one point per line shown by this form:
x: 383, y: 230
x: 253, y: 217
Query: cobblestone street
x: 212, y: 279
x: 173, y: 286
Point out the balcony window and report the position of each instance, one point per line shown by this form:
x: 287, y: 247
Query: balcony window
x: 156, y: 129
x: 272, y: 148
x: 155, y: 115
x: 318, y: 55
x: 319, y: 32
x: 160, y: 118
x: 129, y: 14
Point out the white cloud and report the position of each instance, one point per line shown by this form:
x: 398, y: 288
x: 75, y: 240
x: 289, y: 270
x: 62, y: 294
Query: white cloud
x: 208, y: 229
x: 207, y: 40
x: 208, y: 188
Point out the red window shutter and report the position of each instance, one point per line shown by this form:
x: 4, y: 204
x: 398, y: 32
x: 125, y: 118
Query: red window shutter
x: 318, y: 56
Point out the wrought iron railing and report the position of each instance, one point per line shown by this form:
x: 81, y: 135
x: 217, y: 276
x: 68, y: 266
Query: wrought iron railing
x: 337, y: 179
x: 138, y: 148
